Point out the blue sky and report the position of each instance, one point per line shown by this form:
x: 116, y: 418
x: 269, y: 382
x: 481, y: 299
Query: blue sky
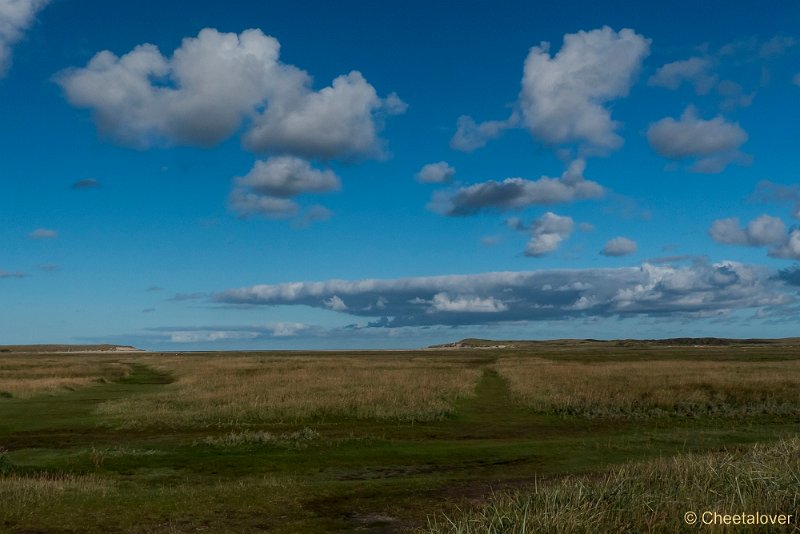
x: 193, y: 175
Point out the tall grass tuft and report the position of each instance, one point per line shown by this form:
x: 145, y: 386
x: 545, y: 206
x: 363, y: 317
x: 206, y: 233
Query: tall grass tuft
x: 22, y: 495
x: 645, y: 497
x: 6, y: 466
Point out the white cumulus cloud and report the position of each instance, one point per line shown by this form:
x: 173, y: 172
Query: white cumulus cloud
x: 269, y: 186
x: 287, y: 176
x: 547, y: 233
x: 695, y: 70
x: 470, y: 135
x: 196, y: 336
x: 436, y: 173
x: 284, y: 329
x: 517, y: 193
x: 764, y: 230
x: 790, y: 248
x: 713, y: 144
x: 212, y: 83
x: 619, y: 246
x: 442, y: 302
x: 335, y: 303
x: 336, y: 122
x: 16, y: 16
x: 564, y: 97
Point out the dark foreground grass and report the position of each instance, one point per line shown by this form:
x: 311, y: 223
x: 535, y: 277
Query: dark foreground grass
x: 63, y: 468
x: 757, y: 489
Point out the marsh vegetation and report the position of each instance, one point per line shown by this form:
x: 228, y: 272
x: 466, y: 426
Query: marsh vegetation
x: 553, y: 437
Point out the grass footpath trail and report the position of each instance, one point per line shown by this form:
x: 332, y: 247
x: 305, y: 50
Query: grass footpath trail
x: 490, y: 407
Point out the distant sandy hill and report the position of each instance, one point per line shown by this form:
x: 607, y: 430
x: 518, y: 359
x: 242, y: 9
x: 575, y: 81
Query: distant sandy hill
x: 41, y: 349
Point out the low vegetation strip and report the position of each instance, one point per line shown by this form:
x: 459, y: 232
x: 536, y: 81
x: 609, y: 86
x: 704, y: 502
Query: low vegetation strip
x: 655, y: 496
x: 210, y: 391
x: 290, y: 440
x: 638, y: 389
x: 23, y: 376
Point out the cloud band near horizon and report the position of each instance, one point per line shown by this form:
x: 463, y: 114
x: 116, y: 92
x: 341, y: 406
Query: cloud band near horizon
x: 701, y: 289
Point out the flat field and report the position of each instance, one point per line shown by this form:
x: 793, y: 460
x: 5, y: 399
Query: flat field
x: 552, y: 436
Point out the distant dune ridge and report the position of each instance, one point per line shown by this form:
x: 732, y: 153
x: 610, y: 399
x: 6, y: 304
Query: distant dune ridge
x: 474, y: 343
x: 68, y: 348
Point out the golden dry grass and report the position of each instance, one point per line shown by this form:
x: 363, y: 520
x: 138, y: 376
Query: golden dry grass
x: 650, y: 388
x: 24, y: 376
x: 239, y: 390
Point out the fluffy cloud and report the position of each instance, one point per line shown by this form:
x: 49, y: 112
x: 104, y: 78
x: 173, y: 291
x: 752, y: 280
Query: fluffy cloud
x: 285, y: 329
x: 547, y: 233
x: 15, y: 17
x: 247, y: 203
x: 564, y: 97
x: 200, y: 334
x: 470, y: 135
x: 704, y: 71
x: 43, y: 233
x: 517, y: 193
x: 695, y: 70
x: 661, y: 290
x: 337, y: 121
x: 335, y: 303
x: 287, y: 176
x: 198, y: 96
x: 269, y: 185
x: 196, y: 336
x: 212, y: 83
x: 619, y: 246
x: 442, y: 302
x: 713, y: 143
x: 436, y: 173
x: 762, y: 231
x: 790, y: 248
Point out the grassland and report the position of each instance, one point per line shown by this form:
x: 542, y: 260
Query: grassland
x: 241, y: 390
x: 655, y: 388
x: 462, y: 439
x: 33, y: 375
